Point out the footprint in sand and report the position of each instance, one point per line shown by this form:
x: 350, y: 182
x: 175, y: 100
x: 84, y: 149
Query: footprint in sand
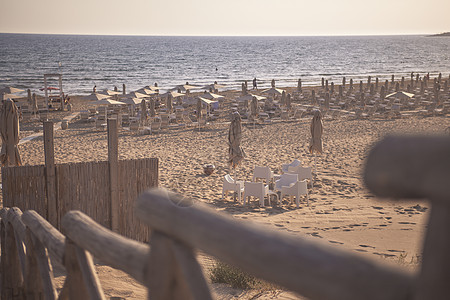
x: 399, y: 251
x: 360, y: 250
x: 384, y: 254
x: 366, y: 246
x: 316, y: 234
x: 279, y: 225
x: 407, y: 223
x: 336, y: 242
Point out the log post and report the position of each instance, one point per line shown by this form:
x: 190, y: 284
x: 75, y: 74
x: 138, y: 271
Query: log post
x: 33, y: 282
x: 49, y: 151
x: 113, y: 159
x: 13, y: 282
x: 419, y: 168
x: 83, y: 282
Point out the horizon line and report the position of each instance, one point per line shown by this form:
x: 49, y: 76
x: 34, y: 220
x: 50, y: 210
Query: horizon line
x: 207, y: 35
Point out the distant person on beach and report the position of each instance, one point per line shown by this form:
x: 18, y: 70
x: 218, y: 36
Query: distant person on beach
x: 255, y: 87
x: 94, y: 89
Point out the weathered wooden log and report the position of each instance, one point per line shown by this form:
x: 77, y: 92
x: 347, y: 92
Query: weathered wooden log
x: 311, y: 269
x: 434, y: 276
x: 13, y: 284
x: 51, y: 238
x: 33, y: 283
x: 82, y: 280
x: 410, y: 167
x: 112, y: 248
x: 45, y: 269
x: 14, y: 217
x: 3, y: 213
x: 419, y: 167
x: 191, y: 271
x: 161, y: 279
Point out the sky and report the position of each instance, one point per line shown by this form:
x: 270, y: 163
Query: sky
x: 226, y: 17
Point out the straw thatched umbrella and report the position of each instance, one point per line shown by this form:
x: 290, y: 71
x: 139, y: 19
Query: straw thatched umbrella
x: 235, y: 152
x: 143, y: 112
x: 315, y: 145
x: 9, y: 129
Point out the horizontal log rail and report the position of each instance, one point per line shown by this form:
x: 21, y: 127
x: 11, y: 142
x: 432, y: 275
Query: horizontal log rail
x: 309, y: 268
x: 112, y: 248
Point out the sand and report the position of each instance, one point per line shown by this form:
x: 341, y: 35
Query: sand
x: 341, y: 211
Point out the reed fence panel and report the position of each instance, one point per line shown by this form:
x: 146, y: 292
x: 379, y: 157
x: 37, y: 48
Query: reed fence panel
x: 85, y: 187
x: 25, y: 187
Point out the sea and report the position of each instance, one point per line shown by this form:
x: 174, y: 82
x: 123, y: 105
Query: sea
x: 86, y: 61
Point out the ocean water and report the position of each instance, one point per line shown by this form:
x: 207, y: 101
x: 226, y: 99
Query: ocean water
x: 108, y: 61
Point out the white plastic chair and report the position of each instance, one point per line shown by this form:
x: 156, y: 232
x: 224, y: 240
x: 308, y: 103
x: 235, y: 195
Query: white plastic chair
x: 262, y: 172
x: 285, y: 180
x: 296, y: 189
x: 302, y: 172
x: 256, y: 189
x: 230, y: 185
x: 294, y: 163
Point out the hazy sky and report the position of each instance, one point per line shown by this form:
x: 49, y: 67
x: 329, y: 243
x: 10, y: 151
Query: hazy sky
x: 226, y: 17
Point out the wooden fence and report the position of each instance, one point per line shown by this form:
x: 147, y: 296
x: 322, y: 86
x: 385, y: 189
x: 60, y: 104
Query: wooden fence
x: 170, y: 270
x: 86, y: 187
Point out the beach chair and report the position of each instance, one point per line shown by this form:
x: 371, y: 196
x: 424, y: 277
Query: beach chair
x: 229, y: 184
x: 294, y: 163
x: 256, y: 189
x: 84, y: 116
x: 262, y: 172
x: 285, y: 180
x: 302, y: 172
x: 155, y: 126
x: 296, y: 189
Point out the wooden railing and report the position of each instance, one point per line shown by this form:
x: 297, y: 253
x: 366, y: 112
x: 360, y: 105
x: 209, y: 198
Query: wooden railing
x: 169, y: 269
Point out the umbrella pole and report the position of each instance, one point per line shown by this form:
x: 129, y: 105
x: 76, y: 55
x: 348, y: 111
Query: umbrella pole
x: 235, y: 182
x: 315, y: 169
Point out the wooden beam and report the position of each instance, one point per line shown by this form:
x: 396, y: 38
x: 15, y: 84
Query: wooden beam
x: 410, y: 167
x: 13, y: 285
x: 310, y: 268
x: 76, y: 272
x: 113, y: 158
x: 49, y: 150
x: 113, y: 249
x: 51, y: 238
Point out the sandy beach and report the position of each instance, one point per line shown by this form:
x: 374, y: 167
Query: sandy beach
x: 341, y: 211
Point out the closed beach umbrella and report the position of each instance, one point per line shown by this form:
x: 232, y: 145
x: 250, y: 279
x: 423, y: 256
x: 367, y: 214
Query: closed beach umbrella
x: 143, y: 112
x: 316, y: 133
x: 288, y: 101
x: 283, y: 98
x: 169, y: 103
x: 316, y: 136
x: 254, y: 109
x: 29, y: 99
x: 235, y: 152
x: 199, y: 108
x: 9, y: 129
x: 152, y: 108
x: 34, y: 105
